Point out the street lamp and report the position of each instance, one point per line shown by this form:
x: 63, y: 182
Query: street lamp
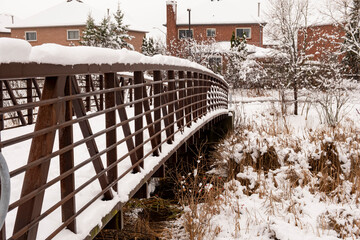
x: 189, y: 35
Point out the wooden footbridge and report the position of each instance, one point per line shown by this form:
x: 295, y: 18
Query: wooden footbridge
x: 81, y: 140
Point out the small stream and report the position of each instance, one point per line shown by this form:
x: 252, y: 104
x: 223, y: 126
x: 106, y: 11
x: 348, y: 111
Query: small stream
x: 155, y: 218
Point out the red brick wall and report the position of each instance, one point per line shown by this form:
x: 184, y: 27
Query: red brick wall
x: 48, y: 35
x: 224, y: 32
x: 323, y: 40
x: 2, y: 34
x: 58, y: 35
x: 171, y: 30
x: 137, y: 40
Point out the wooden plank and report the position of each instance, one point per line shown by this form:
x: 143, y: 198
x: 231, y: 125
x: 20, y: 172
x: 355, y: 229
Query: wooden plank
x: 41, y: 146
x: 13, y: 99
x: 157, y: 103
x: 79, y: 109
x: 110, y: 121
x: 67, y: 163
x: 149, y: 123
x: 171, y: 98
x: 189, y: 99
x: 126, y: 128
x: 29, y: 98
x: 138, y: 110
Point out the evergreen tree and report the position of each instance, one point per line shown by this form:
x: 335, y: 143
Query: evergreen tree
x: 148, y: 47
x: 352, y: 41
x: 104, y: 33
x: 89, y: 36
x: 119, y: 33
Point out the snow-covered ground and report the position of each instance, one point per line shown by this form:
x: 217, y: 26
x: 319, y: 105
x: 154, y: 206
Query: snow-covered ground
x: 293, y: 197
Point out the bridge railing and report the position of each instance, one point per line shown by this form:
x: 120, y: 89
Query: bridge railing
x: 85, y: 143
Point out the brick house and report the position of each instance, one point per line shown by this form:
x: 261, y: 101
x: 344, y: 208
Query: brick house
x: 213, y: 19
x: 63, y: 24
x: 323, y: 39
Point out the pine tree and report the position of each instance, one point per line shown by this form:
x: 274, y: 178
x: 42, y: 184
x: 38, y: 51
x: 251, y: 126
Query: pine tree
x: 89, y: 36
x: 119, y: 33
x: 104, y: 33
x: 148, y: 47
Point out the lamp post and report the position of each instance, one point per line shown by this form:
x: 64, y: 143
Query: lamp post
x: 189, y: 35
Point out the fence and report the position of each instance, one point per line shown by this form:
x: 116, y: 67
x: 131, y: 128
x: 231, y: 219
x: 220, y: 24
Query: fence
x: 93, y: 130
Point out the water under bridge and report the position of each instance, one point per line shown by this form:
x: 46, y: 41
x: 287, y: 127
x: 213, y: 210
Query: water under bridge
x: 81, y: 139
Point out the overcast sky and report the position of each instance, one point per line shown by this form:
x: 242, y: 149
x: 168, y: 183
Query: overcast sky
x: 151, y: 15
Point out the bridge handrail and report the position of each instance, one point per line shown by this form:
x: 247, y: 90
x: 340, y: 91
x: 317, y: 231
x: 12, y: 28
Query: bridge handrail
x: 60, y: 97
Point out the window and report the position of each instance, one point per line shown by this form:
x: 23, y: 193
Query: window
x: 215, y: 63
x: 73, y: 35
x: 240, y: 32
x: 185, y: 33
x: 211, y: 32
x: 30, y: 36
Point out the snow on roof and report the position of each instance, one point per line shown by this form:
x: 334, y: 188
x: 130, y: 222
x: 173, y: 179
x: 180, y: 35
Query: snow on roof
x: 72, y: 13
x: 17, y: 50
x: 220, y: 11
x: 6, y: 20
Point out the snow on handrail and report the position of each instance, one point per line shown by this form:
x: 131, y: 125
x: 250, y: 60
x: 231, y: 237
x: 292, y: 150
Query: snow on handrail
x: 20, y: 51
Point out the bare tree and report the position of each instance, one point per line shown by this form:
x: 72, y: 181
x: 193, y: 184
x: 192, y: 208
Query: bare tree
x: 288, y: 19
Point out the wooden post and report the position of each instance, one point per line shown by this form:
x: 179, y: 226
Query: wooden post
x: 101, y: 87
x: 87, y: 89
x: 126, y: 128
x: 29, y: 97
x: 131, y: 91
x: 188, y: 110
x: 79, y: 109
x: 171, y: 98
x: 149, y: 123
x: 67, y: 163
x: 138, y: 110
x: 181, y: 98
x: 41, y: 146
x: 195, y: 97
x: 110, y: 118
x: 157, y: 103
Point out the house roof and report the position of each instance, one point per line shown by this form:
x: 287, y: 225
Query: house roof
x: 220, y: 11
x: 71, y: 13
x: 6, y: 20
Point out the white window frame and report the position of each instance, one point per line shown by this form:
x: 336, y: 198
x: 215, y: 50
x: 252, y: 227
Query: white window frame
x: 242, y: 36
x: 31, y: 40
x: 185, y: 29
x: 72, y: 30
x: 210, y: 29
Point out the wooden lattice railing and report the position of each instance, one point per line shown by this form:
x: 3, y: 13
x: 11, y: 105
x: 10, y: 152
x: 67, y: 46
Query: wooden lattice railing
x: 97, y: 110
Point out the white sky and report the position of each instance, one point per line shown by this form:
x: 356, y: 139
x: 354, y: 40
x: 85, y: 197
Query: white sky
x: 151, y: 15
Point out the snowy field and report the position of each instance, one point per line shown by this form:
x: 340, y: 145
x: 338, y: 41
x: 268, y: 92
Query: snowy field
x: 298, y: 178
